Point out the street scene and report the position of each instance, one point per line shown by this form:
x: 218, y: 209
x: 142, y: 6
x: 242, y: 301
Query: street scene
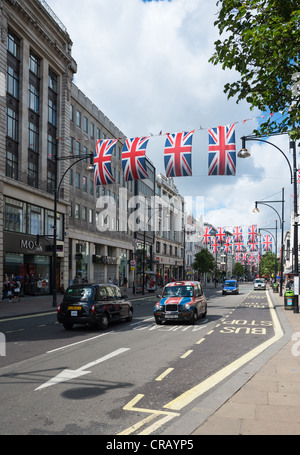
x: 92, y: 381
x: 149, y: 222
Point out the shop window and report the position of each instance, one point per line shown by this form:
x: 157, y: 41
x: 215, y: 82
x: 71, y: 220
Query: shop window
x: 14, y: 215
x: 35, y: 220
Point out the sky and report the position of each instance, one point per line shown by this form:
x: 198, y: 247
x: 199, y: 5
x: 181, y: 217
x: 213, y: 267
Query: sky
x: 145, y: 65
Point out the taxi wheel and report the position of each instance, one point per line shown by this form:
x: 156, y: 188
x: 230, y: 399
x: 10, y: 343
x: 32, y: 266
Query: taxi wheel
x: 194, y: 318
x: 103, y: 322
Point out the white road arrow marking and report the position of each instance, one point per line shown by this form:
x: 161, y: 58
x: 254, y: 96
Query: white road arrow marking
x: 67, y: 375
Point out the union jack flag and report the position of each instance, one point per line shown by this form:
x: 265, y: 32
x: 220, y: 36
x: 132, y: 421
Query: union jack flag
x: 267, y: 242
x: 252, y: 233
x: 178, y: 154
x: 215, y: 246
x: 228, y: 245
x: 238, y: 234
x: 239, y: 246
x: 253, y: 247
x: 206, y: 236
x: 220, y: 234
x: 102, y: 161
x: 238, y: 257
x: 134, y: 158
x: 221, y: 150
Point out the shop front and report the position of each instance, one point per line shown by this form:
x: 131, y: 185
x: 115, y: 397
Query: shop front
x: 30, y: 261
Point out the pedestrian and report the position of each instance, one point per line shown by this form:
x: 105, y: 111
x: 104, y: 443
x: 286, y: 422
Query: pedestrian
x: 6, y: 289
x: 16, y: 290
x: 109, y: 280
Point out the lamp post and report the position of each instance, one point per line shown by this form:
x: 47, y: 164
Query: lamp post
x: 90, y: 167
x: 281, y: 219
x: 244, y: 153
x: 275, y: 241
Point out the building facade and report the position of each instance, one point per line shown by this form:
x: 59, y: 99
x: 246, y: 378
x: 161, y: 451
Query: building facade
x: 48, y: 125
x: 169, y: 232
x: 36, y: 68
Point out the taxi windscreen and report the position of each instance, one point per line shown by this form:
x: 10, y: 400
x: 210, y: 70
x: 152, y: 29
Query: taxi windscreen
x: 178, y: 291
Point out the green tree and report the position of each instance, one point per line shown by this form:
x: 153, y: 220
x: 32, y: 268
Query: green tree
x: 262, y: 44
x: 267, y: 264
x: 204, y: 261
x: 238, y: 270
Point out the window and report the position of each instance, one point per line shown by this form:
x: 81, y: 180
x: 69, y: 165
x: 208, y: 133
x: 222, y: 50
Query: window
x: 52, y: 112
x: 14, y: 215
x: 34, y: 64
x: 11, y: 165
x: 33, y: 172
x: 33, y: 137
x: 70, y: 177
x: 84, y: 183
x: 78, y: 118
x: 77, y: 180
x: 52, y: 81
x: 77, y: 211
x: 33, y: 98
x: 71, y: 112
x: 92, y: 130
x: 12, y: 85
x: 84, y: 213
x: 50, y: 181
x: 35, y: 220
x: 91, y: 216
x: 12, y: 124
x: 13, y: 45
x: 85, y: 124
x: 51, y: 147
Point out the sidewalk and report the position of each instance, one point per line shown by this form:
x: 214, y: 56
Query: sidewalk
x: 44, y: 303
x: 269, y: 402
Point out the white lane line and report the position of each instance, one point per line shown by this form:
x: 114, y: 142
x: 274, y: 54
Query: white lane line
x: 67, y: 375
x: 79, y: 342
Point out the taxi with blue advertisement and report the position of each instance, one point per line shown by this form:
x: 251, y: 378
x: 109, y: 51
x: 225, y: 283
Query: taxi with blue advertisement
x: 181, y: 301
x: 230, y: 287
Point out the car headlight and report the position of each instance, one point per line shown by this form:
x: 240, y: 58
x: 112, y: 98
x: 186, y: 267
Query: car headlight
x: 187, y: 306
x: 158, y: 307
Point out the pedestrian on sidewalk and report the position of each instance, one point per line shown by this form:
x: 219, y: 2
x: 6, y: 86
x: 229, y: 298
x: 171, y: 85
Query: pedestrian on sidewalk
x: 17, y: 290
x: 6, y: 289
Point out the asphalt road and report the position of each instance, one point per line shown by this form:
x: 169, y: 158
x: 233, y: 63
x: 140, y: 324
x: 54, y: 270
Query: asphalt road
x: 134, y: 378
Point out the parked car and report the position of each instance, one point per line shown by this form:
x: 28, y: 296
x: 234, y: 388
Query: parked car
x: 230, y: 287
x: 259, y: 283
x: 93, y: 304
x: 181, y: 301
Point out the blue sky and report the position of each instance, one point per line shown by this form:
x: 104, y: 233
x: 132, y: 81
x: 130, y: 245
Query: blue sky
x: 145, y: 65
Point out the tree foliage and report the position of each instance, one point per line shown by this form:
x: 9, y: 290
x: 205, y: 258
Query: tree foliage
x: 204, y: 261
x: 267, y: 264
x: 262, y: 43
x: 238, y: 270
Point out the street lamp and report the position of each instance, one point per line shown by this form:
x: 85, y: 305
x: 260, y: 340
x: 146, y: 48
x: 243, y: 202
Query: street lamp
x: 244, y: 153
x: 281, y: 219
x: 275, y: 241
x: 90, y: 167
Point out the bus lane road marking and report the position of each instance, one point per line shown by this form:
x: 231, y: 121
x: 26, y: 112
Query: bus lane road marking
x: 195, y: 392
x: 175, y: 406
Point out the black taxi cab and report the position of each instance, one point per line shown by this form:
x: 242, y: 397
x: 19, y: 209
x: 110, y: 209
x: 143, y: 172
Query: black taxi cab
x: 93, y: 304
x: 181, y: 301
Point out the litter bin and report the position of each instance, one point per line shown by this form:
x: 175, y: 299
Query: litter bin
x: 275, y: 287
x: 289, y: 300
